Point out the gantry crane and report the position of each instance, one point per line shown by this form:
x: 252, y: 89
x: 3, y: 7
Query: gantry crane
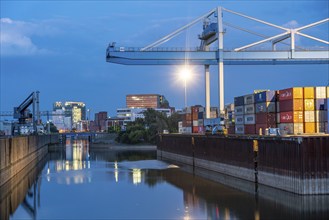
x: 204, y: 55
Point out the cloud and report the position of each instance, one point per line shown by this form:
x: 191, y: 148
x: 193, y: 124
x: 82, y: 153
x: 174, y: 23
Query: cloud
x: 291, y: 24
x: 16, y: 37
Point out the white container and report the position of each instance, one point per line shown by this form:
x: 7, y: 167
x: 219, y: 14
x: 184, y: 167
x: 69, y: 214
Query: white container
x: 249, y: 99
x: 180, y: 124
x: 239, y: 110
x: 249, y: 109
x: 309, y: 116
x: 239, y: 129
x: 320, y: 92
x: 250, y: 119
x: 195, y: 123
x: 239, y: 119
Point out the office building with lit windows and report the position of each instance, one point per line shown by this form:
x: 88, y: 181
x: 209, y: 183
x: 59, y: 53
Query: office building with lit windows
x: 146, y: 101
x: 73, y: 111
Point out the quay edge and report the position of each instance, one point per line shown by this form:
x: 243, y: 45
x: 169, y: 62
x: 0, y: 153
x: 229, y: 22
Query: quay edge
x: 297, y: 164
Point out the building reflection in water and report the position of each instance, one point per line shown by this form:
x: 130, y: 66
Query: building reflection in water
x: 76, y: 158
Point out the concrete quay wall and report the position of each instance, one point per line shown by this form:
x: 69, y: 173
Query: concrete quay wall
x: 18, y: 152
x: 295, y: 164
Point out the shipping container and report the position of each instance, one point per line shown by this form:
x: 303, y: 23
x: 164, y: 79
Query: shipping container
x: 321, y: 104
x: 187, y: 123
x: 265, y: 107
x: 195, y: 116
x: 239, y: 119
x: 249, y: 109
x: 195, y: 129
x: 200, y: 115
x: 266, y: 118
x: 277, y: 106
x: 188, y: 110
x: 320, y: 92
x: 238, y: 101
x: 200, y: 122
x: 309, y: 116
x: 239, y: 129
x: 309, y: 105
x: 291, y: 128
x: 291, y: 93
x: 321, y: 116
x: 266, y: 96
x: 309, y: 127
x: 250, y: 129
x: 309, y: 93
x: 292, y: 117
x: 250, y: 119
x: 239, y: 110
x: 195, y: 123
x: 201, y: 109
x: 188, y: 117
x: 195, y: 109
x: 292, y: 105
x: 180, y: 124
x: 260, y: 129
x: 278, y: 118
x: 231, y: 129
x: 249, y: 99
x: 320, y: 127
x: 201, y: 129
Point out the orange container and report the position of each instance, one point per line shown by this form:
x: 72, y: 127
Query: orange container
x: 308, y: 92
x: 309, y: 104
x: 309, y: 127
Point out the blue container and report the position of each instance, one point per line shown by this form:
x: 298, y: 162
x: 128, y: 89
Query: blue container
x: 239, y: 101
x: 266, y: 96
x: 200, y: 115
x: 321, y: 104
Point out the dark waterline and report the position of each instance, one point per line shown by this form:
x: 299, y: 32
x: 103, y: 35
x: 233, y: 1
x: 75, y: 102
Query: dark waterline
x: 79, y: 181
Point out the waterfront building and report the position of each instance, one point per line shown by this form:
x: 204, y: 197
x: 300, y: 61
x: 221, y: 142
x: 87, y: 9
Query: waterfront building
x: 100, y: 121
x: 131, y: 114
x: 73, y: 113
x: 146, y: 101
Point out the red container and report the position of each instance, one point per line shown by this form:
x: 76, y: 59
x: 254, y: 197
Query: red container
x: 195, y: 110
x: 292, y: 117
x: 249, y: 129
x: 231, y: 129
x: 195, y: 129
x: 266, y: 118
x: 261, y: 126
x: 291, y: 93
x: 291, y: 105
x: 188, y: 117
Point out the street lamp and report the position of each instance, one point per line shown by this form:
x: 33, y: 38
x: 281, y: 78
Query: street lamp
x: 185, y: 74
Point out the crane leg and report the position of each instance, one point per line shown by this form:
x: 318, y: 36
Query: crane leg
x: 207, y: 86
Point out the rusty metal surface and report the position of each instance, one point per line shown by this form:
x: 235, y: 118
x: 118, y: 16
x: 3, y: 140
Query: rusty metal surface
x: 298, y: 157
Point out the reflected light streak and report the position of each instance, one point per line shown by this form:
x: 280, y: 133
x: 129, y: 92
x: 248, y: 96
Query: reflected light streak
x: 116, y: 173
x: 137, y: 176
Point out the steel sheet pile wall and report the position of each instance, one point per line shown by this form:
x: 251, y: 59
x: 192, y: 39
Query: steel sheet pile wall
x: 17, y: 152
x: 299, y: 165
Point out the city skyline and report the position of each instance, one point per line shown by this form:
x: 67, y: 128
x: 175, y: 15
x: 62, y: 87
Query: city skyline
x: 59, y: 50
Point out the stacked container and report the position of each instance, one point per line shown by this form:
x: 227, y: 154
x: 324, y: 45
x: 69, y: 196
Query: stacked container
x: 239, y: 114
x: 197, y: 119
x: 321, y: 109
x: 265, y: 107
x: 291, y: 106
x: 249, y: 114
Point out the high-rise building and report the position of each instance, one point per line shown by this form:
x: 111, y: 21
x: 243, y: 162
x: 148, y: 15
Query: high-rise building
x: 100, y: 120
x: 146, y: 101
x: 72, y: 111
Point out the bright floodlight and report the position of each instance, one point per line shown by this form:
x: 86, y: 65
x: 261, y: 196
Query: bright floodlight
x: 185, y: 73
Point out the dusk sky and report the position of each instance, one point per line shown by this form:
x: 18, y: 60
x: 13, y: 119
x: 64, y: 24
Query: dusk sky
x: 58, y: 48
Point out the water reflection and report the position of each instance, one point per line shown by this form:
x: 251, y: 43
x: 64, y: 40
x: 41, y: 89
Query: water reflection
x: 79, y: 181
